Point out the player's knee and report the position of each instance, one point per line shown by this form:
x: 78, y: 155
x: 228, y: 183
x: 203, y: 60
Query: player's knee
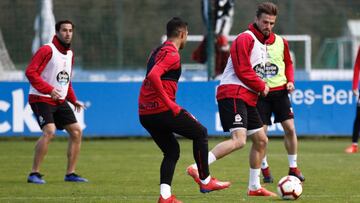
x: 176, y: 156
x: 201, y: 135
x: 239, y: 143
x: 203, y: 132
x: 76, y: 134
x: 238, y: 139
x: 48, y: 137
x: 48, y: 134
x: 263, y: 141
x: 173, y: 155
x: 289, y: 131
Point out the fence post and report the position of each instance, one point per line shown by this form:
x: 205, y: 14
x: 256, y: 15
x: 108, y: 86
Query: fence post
x: 210, y: 40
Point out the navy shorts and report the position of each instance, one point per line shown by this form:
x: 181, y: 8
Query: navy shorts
x: 61, y: 115
x: 277, y: 103
x: 235, y: 113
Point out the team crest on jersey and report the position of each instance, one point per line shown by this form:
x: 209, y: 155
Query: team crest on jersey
x: 268, y: 70
x: 63, y: 78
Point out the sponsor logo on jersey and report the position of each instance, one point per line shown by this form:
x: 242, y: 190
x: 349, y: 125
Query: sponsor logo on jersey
x: 63, y: 78
x: 268, y: 70
x: 149, y: 105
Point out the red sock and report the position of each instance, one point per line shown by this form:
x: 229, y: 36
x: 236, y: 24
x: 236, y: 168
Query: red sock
x: 266, y: 172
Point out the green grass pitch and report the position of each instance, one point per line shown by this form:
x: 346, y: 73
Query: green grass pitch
x: 127, y: 170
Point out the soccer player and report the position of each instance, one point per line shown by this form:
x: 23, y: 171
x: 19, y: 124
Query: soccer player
x: 353, y: 148
x: 278, y: 73
x: 49, y: 74
x: 237, y: 96
x: 162, y: 117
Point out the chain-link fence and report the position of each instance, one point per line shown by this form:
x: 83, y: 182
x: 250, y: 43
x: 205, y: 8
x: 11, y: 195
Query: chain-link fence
x: 119, y: 34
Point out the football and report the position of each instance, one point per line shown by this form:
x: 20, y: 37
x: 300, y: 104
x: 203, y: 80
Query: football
x: 289, y: 188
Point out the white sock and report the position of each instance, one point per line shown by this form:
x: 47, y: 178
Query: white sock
x: 292, y: 160
x: 254, y: 179
x: 211, y: 159
x: 264, y: 163
x: 165, y: 190
x: 206, y: 181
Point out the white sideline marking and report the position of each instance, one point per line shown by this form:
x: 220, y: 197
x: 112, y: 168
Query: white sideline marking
x: 79, y: 197
x: 154, y: 197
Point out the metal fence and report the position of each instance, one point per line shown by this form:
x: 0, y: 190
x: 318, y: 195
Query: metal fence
x: 119, y: 34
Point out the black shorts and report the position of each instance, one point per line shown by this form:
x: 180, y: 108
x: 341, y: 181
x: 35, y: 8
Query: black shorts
x: 277, y: 103
x: 165, y: 123
x: 61, y: 114
x: 235, y: 113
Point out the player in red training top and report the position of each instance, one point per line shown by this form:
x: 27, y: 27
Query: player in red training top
x: 162, y: 117
x: 49, y: 74
x: 278, y: 74
x: 353, y: 148
x: 237, y: 96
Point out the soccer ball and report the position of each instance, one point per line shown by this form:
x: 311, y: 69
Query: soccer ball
x: 289, y: 187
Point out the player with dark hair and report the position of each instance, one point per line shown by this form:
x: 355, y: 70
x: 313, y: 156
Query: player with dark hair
x: 353, y: 148
x: 49, y: 74
x: 237, y: 96
x: 59, y: 23
x: 162, y: 117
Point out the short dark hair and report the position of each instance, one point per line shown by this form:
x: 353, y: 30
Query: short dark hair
x: 59, y: 23
x: 267, y: 8
x: 174, y: 25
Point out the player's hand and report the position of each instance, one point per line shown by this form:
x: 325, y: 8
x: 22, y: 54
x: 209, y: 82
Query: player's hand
x: 356, y: 92
x: 78, y: 106
x: 265, y: 91
x: 55, y: 94
x: 290, y: 87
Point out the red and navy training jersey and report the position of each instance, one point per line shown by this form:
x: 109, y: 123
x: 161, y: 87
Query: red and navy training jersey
x: 158, y: 90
